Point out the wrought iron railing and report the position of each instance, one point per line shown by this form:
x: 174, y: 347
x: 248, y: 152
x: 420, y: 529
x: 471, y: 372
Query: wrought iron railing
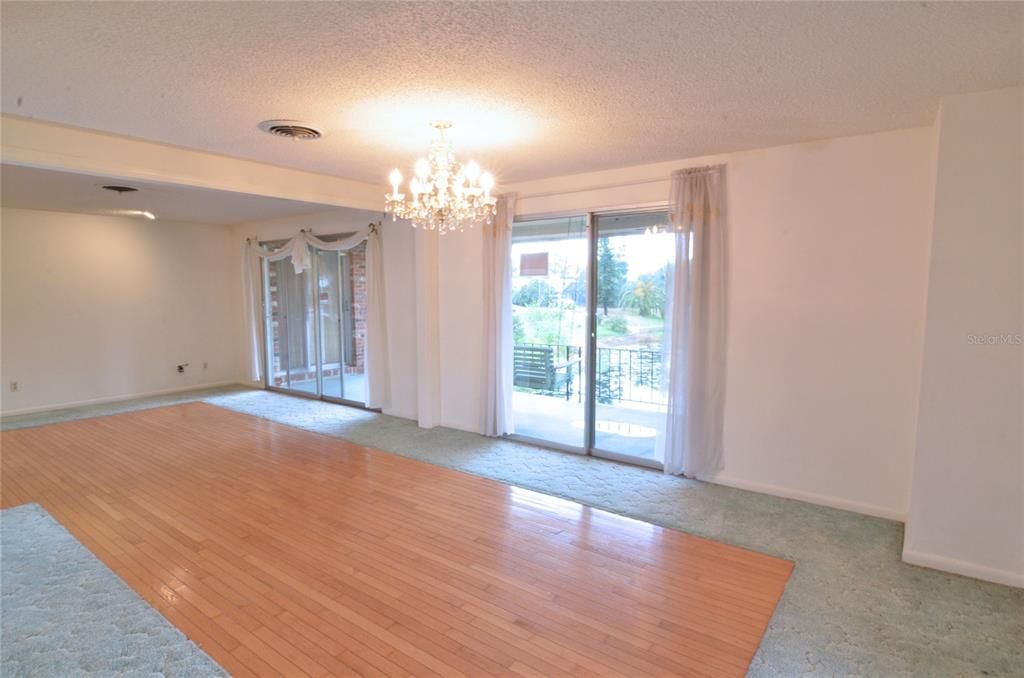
x: 623, y: 374
x: 628, y: 374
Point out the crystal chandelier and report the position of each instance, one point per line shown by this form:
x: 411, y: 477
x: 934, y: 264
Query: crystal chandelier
x: 444, y: 195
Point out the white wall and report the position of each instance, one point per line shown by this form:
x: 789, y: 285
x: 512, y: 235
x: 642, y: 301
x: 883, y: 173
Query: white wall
x: 400, y: 288
x: 828, y: 248
x: 399, y: 283
x: 462, y: 330
x: 428, y: 328
x: 828, y: 251
x: 967, y: 509
x: 97, y: 307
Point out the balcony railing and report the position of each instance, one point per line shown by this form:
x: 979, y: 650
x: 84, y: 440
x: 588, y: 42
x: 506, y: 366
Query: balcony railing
x: 623, y: 374
x: 630, y: 375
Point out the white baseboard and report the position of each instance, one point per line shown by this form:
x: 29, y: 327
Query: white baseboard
x: 965, y: 568
x: 809, y: 497
x: 459, y: 427
x: 401, y: 414
x: 115, y: 399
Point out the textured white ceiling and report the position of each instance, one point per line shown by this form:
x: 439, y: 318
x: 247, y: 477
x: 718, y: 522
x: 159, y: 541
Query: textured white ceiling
x: 30, y: 188
x: 535, y: 89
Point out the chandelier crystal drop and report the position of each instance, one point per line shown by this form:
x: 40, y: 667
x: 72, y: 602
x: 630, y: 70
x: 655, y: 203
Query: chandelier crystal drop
x: 444, y: 195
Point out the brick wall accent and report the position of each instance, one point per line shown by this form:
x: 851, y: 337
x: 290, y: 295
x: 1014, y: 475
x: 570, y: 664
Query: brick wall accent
x: 357, y: 257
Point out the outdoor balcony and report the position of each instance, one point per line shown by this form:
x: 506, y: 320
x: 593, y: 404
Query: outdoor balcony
x: 629, y: 411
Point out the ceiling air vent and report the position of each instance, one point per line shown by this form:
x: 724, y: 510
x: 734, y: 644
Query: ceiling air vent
x: 292, y: 129
x: 121, y: 189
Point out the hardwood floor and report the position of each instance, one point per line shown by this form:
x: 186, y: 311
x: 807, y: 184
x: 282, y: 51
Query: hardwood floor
x: 283, y: 552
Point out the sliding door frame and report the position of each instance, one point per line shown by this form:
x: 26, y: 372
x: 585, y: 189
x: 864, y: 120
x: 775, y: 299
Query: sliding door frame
x: 590, y: 399
x: 314, y: 272
x: 344, y: 324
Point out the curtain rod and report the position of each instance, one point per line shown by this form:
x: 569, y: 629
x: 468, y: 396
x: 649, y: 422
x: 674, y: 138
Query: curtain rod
x: 702, y: 168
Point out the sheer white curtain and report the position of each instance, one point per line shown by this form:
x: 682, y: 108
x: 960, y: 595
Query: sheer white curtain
x: 375, y: 350
x: 696, y: 326
x: 497, y: 286
x: 298, y: 248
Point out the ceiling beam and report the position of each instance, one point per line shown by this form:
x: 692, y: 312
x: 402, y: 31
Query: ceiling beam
x: 44, y: 145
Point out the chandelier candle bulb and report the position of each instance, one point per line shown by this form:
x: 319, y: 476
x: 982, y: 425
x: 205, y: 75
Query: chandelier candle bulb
x: 422, y: 169
x: 487, y: 183
x: 396, y: 179
x: 444, y: 195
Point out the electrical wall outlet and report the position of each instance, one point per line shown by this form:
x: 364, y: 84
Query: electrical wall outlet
x: 181, y: 368
x: 14, y: 386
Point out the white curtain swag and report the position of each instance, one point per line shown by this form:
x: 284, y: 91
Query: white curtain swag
x: 692, y: 441
x: 378, y: 378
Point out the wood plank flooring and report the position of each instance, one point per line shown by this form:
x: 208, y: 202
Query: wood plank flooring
x: 282, y: 552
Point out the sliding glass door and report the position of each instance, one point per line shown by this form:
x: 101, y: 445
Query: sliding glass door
x: 634, y: 259
x: 550, y: 270
x: 316, y: 325
x: 589, y: 307
x: 342, y: 305
x: 291, y: 330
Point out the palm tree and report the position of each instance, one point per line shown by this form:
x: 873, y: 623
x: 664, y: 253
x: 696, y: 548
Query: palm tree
x: 645, y: 296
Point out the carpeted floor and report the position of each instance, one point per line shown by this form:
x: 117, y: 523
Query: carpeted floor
x: 851, y: 607
x: 64, y: 613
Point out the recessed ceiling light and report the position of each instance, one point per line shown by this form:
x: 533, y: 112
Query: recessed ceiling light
x: 291, y: 129
x: 132, y: 213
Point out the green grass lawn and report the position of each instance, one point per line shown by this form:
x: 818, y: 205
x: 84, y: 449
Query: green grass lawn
x: 568, y: 325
